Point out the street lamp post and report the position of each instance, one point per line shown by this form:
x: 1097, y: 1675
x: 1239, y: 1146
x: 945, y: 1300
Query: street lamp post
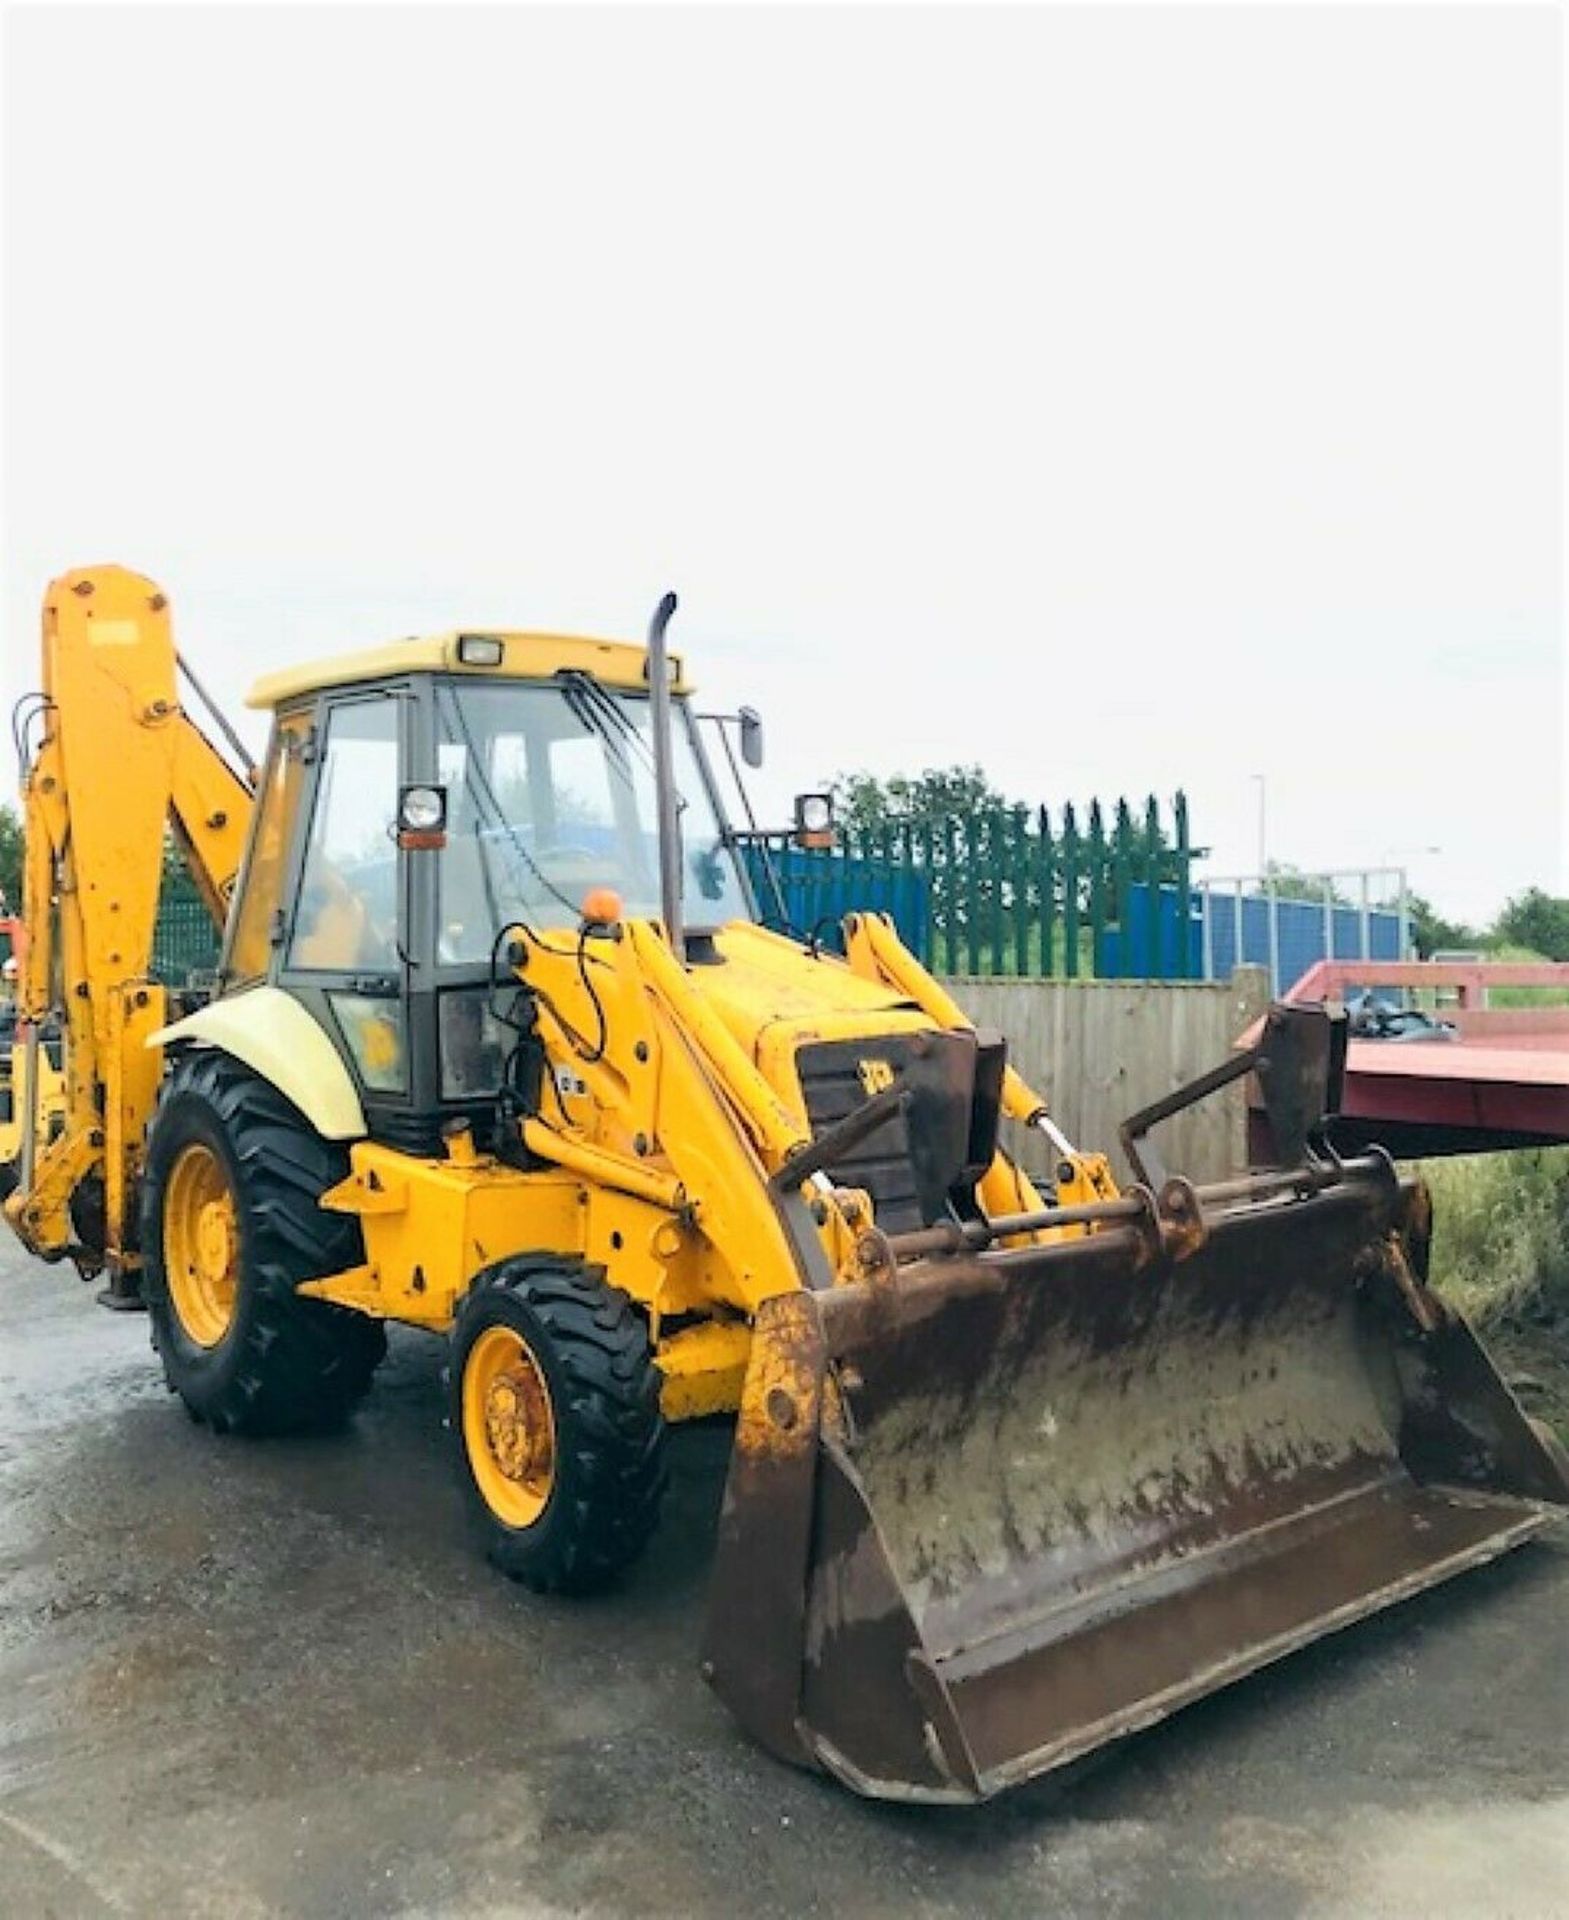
x: 1263, y: 862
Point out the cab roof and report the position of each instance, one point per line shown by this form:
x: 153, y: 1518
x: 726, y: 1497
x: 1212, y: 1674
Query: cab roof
x: 524, y: 656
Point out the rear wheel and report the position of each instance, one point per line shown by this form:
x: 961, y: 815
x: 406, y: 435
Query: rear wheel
x: 230, y: 1226
x: 555, y: 1408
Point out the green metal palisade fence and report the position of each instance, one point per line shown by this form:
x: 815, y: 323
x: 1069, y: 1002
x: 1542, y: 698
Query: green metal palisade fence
x: 1006, y: 891
x: 185, y: 941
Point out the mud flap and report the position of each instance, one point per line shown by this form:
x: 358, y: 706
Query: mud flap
x: 1003, y: 1508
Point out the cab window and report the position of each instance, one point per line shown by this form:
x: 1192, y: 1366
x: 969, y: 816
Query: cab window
x: 347, y: 916
x: 250, y: 946
x: 550, y: 796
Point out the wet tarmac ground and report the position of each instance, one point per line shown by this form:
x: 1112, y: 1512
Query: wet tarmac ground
x: 244, y: 1678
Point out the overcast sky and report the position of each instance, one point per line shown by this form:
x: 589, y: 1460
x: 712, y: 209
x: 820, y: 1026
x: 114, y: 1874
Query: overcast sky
x: 1120, y: 399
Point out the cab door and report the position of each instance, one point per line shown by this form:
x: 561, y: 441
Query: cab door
x: 343, y: 932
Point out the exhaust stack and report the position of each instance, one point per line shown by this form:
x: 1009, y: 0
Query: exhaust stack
x: 666, y: 798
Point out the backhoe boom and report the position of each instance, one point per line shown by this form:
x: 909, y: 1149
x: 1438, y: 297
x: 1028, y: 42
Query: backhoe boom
x: 119, y: 763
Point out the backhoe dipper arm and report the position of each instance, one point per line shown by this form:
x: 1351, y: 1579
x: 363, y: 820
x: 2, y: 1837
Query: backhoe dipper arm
x: 119, y: 762
x: 210, y: 816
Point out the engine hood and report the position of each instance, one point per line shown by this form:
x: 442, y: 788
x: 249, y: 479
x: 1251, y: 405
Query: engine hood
x: 777, y: 996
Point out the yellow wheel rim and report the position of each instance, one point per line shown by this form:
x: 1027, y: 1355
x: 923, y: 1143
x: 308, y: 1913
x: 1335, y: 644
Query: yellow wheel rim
x: 509, y: 1426
x: 201, y: 1244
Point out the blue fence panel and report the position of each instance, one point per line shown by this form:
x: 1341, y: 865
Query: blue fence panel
x: 821, y: 888
x: 1304, y: 935
x: 1124, y: 951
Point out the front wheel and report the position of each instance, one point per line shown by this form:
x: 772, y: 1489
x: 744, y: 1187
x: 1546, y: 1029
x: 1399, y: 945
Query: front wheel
x: 555, y: 1408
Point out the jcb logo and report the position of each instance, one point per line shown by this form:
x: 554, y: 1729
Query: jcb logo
x: 875, y: 1075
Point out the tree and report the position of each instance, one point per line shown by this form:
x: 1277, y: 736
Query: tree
x: 940, y: 807
x: 1536, y: 920
x: 1291, y: 883
x: 10, y: 858
x: 866, y: 804
x: 1432, y: 933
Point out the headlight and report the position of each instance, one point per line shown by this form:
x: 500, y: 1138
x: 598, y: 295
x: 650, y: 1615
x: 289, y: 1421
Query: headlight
x: 422, y: 809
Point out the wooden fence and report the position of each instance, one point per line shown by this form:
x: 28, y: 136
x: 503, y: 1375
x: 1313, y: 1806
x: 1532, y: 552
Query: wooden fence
x: 1098, y: 1050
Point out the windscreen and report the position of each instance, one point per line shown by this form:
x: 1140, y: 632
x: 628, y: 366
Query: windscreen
x: 550, y: 794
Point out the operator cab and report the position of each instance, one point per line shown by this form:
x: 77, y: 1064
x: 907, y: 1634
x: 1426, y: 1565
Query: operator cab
x: 407, y: 819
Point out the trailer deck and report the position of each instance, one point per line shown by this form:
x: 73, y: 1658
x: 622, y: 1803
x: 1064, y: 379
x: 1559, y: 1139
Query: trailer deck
x: 1501, y: 1081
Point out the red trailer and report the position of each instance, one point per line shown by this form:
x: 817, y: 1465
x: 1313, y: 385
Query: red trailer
x: 1499, y: 1080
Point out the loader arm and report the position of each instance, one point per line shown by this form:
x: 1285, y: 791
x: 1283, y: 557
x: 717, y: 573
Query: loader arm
x: 120, y: 763
x: 722, y: 1129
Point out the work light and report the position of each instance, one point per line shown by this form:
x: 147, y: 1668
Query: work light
x: 422, y: 809
x: 814, y: 812
x: 480, y: 650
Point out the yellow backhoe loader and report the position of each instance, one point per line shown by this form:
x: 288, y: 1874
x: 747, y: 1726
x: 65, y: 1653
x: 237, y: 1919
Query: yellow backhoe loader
x: 47, y: 1103
x: 500, y: 1049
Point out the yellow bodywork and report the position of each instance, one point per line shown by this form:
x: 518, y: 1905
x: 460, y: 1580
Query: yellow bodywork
x: 48, y: 1098
x: 524, y: 656
x: 32, y: 1072
x: 509, y: 1426
x: 202, y: 1244
x: 273, y: 1034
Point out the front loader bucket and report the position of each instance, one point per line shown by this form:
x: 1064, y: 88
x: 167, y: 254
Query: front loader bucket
x: 995, y: 1509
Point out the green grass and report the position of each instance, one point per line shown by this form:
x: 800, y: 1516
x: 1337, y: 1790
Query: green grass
x: 1501, y: 1254
x: 1523, y: 996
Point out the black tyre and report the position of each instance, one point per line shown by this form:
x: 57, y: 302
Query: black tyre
x: 230, y: 1226
x: 554, y: 1404
x: 1549, y: 1436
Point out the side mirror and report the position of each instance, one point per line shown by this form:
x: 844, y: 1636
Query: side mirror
x: 814, y: 819
x: 751, y: 736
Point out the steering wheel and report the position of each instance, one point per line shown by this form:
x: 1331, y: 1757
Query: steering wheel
x: 564, y: 871
x: 565, y: 850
